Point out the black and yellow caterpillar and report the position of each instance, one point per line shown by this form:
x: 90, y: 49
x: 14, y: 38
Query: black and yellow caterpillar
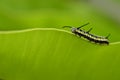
x: 91, y: 37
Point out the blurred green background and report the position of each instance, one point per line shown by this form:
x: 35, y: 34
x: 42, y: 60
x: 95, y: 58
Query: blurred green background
x: 56, y: 55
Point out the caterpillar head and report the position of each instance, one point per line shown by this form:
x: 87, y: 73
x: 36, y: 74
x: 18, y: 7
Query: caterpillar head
x: 73, y: 29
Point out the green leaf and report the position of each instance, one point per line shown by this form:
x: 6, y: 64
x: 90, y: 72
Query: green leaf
x: 53, y: 54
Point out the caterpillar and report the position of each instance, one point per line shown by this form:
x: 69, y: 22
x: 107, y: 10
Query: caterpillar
x: 87, y: 35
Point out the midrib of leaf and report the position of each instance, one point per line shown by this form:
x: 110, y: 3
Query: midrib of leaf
x: 113, y: 43
x: 45, y: 29
x: 34, y: 29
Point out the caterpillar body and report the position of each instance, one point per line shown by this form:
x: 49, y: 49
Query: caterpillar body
x: 91, y: 37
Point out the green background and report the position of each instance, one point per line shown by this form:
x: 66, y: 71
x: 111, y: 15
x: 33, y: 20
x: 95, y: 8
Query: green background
x: 54, y: 54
